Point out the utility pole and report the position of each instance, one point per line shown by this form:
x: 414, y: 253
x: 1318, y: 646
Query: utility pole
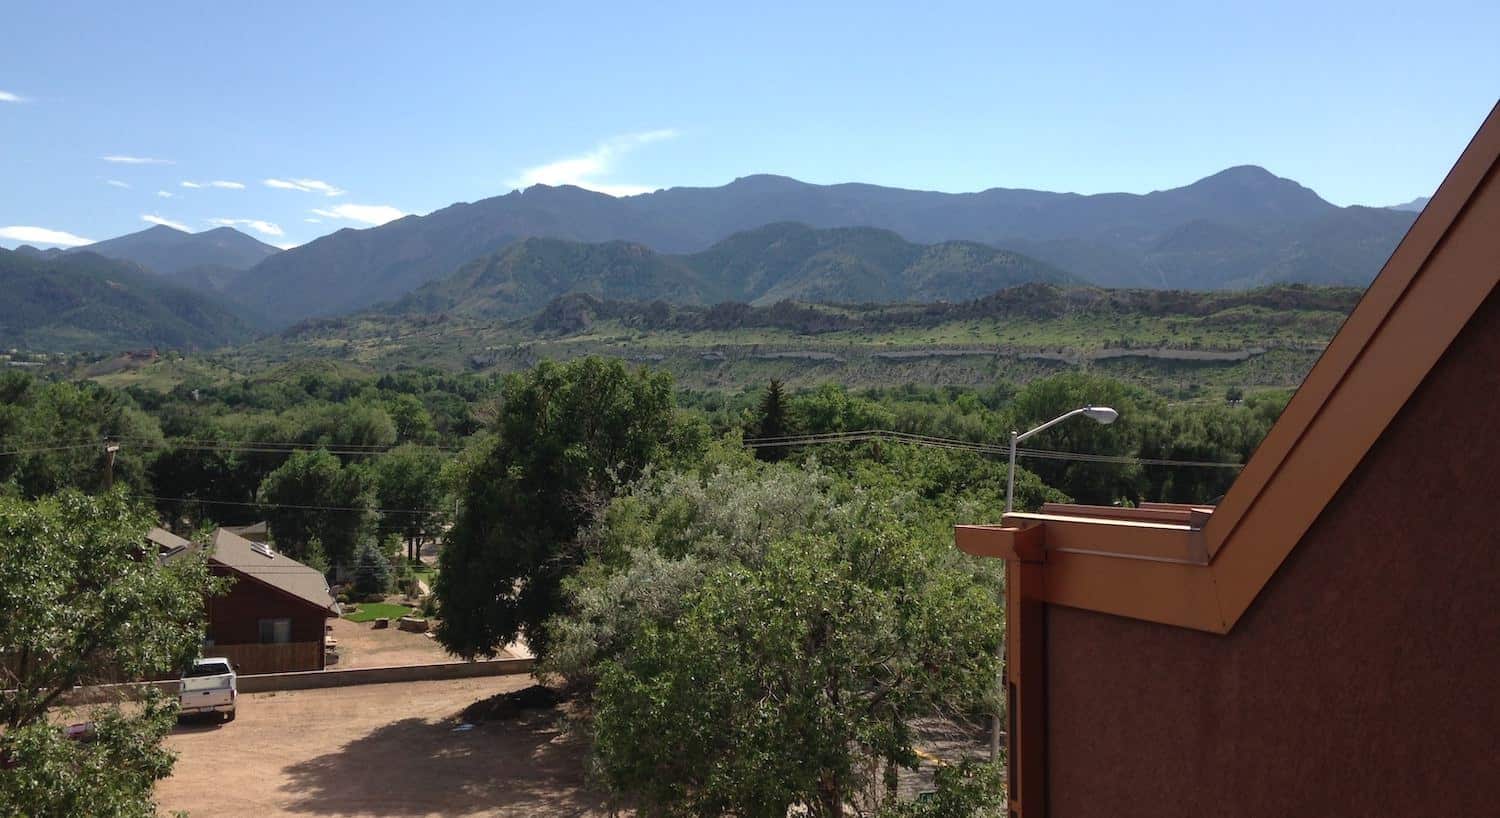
x: 111, y: 448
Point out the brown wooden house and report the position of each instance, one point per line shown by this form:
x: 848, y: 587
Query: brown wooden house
x: 273, y: 616
x: 1326, y: 640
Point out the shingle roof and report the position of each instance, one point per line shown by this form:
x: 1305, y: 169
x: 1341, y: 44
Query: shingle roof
x: 166, y: 540
x: 273, y: 568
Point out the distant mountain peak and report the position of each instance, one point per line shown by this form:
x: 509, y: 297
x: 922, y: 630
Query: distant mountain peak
x: 1246, y: 172
x: 167, y: 251
x: 1249, y: 177
x: 1414, y: 206
x: 540, y: 189
x: 767, y: 181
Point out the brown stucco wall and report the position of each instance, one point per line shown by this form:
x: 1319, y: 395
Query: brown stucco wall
x: 1363, y: 681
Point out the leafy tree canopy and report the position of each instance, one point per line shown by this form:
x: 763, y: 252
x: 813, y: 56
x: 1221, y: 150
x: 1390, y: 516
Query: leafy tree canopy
x: 408, y: 480
x: 58, y: 430
x: 793, y: 682
x: 314, y: 496
x: 85, y: 602
x: 566, y: 437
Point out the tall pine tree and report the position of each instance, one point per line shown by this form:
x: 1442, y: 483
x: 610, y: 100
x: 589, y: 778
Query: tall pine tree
x: 775, y: 421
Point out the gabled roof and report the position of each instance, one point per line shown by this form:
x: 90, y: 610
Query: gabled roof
x: 253, y: 531
x: 263, y: 563
x: 256, y: 561
x: 1203, y: 567
x: 166, y: 541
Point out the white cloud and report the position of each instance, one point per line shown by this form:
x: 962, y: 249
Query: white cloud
x: 305, y: 185
x: 155, y: 219
x: 262, y: 227
x: 116, y: 183
x: 287, y: 246
x: 313, y: 221
x: 584, y: 170
x: 165, y: 194
x: 42, y: 236
x: 135, y: 160
x: 367, y: 214
x: 218, y: 183
x: 6, y: 96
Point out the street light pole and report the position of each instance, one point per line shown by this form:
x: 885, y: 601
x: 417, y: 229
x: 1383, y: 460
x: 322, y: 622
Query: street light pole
x: 1098, y: 414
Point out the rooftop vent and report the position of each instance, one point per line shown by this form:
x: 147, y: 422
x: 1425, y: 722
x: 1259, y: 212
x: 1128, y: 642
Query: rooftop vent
x: 263, y: 550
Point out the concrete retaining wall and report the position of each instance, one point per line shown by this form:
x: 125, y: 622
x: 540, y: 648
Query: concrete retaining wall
x: 311, y: 679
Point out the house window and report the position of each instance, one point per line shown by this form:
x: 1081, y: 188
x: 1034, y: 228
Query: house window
x: 275, y: 631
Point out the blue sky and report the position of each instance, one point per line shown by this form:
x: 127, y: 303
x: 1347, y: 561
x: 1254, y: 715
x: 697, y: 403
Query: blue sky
x: 293, y: 120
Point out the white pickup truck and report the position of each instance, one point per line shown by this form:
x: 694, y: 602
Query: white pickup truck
x: 209, y: 686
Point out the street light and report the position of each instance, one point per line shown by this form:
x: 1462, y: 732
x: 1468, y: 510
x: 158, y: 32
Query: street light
x: 1098, y: 414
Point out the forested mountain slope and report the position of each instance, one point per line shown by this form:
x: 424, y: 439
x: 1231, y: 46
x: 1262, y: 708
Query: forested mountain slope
x: 85, y: 302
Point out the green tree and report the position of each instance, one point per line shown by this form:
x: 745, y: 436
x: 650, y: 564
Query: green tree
x: 1086, y: 482
x: 830, y: 408
x: 58, y: 431
x: 795, y: 682
x: 408, y: 481
x: 372, y: 571
x: 965, y: 790
x: 566, y: 437
x: 313, y: 496
x: 773, y: 420
x: 656, y: 544
x: 413, y: 421
x: 82, y: 606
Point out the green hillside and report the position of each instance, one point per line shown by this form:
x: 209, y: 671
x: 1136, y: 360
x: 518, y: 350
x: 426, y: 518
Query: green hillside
x: 1241, y: 227
x: 762, y: 266
x: 82, y: 302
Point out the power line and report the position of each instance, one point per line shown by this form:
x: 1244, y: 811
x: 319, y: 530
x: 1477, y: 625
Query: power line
x: 41, y: 449
x: 289, y: 505
x: 264, y: 447
x: 277, y: 448
x: 964, y: 445
x: 256, y: 447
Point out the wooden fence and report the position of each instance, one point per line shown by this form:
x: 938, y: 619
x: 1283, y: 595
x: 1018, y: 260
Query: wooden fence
x: 283, y: 658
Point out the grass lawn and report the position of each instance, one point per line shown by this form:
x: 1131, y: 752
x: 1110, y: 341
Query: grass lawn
x: 375, y: 610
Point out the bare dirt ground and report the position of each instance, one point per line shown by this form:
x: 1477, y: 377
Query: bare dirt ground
x: 378, y: 751
x: 361, y: 645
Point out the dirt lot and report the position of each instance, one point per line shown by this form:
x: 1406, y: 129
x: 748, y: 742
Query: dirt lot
x: 361, y: 645
x: 386, y: 751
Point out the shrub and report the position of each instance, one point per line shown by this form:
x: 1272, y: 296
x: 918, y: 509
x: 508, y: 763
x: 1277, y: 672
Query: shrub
x: 372, y: 571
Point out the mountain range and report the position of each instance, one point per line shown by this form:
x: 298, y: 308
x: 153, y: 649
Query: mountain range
x: 758, y: 239
x: 785, y: 261
x: 1241, y: 227
x: 205, y: 261
x: 82, y: 301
